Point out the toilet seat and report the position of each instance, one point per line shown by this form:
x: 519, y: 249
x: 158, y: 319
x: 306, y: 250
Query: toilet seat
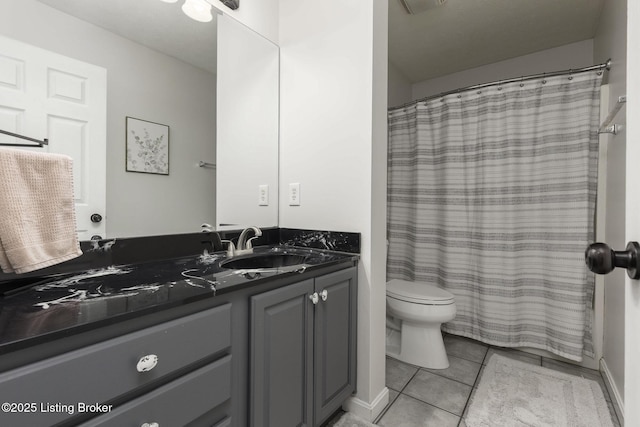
x: 418, y: 293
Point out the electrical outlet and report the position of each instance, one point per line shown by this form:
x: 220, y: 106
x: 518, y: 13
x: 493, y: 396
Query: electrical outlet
x: 294, y: 194
x: 263, y: 195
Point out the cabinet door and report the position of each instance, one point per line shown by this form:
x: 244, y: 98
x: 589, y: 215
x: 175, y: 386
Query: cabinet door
x: 335, y: 342
x: 281, y: 357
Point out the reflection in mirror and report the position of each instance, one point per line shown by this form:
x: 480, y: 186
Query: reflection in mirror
x: 161, y: 68
x: 248, y: 88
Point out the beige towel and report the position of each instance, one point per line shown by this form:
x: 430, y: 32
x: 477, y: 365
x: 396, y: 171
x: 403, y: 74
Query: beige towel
x: 37, y: 212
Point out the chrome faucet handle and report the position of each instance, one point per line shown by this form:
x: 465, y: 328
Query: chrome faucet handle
x: 243, y: 244
x: 249, y: 245
x: 231, y: 249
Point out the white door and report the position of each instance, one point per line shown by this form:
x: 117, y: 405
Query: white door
x: 47, y: 95
x: 632, y: 212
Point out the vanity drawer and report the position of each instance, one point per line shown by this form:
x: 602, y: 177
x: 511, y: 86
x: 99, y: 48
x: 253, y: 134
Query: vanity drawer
x: 174, y: 404
x: 103, y: 371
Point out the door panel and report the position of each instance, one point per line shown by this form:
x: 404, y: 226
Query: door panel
x: 47, y: 95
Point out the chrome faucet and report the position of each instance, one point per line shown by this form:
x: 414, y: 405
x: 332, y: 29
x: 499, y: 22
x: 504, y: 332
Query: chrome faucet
x: 244, y: 245
x: 231, y: 249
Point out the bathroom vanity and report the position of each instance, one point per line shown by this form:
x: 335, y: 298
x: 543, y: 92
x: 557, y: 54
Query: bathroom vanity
x: 183, y: 342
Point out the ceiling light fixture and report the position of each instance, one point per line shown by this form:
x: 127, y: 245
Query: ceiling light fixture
x: 199, y: 10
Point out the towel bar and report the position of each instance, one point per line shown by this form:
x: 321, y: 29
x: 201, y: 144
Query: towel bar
x: 37, y: 141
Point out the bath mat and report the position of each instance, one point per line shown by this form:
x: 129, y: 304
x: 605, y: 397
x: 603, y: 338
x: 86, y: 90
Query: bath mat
x: 517, y: 394
x: 350, y: 420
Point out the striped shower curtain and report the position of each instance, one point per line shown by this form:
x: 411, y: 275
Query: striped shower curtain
x: 491, y: 195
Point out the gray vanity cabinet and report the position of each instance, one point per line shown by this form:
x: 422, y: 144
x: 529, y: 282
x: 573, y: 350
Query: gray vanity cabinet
x: 335, y: 342
x: 156, y: 359
x: 303, y: 350
x: 176, y: 403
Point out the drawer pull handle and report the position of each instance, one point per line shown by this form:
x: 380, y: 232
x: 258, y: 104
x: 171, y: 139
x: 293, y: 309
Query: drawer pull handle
x: 145, y: 364
x: 150, y: 425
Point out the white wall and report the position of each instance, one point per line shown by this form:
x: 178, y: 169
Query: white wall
x: 145, y: 84
x: 399, y: 87
x: 574, y: 55
x: 248, y: 93
x: 259, y: 15
x: 333, y: 142
x: 610, y: 42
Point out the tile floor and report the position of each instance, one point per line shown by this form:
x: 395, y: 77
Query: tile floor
x: 439, y: 398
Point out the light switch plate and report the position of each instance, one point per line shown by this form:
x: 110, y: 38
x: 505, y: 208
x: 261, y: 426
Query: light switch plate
x: 263, y: 195
x: 294, y: 194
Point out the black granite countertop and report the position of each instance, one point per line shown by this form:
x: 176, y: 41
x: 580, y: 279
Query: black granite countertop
x: 64, y: 302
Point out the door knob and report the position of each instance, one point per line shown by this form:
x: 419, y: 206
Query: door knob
x: 96, y: 217
x: 601, y: 259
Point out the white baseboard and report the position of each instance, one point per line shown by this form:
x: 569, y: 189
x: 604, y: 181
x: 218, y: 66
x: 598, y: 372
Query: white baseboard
x: 365, y: 410
x: 618, y: 403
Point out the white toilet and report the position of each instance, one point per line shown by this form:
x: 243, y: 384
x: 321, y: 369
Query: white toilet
x: 415, y: 312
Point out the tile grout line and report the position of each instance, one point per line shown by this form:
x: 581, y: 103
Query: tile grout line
x: 466, y: 405
x: 541, y: 360
x: 418, y: 369
x: 382, y: 414
x: 429, y: 404
x: 453, y: 379
x: 446, y: 378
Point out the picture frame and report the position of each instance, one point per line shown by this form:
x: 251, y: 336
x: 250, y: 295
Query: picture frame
x: 147, y: 146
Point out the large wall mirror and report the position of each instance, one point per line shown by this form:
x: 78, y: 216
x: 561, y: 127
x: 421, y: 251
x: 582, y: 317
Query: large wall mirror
x: 164, y: 68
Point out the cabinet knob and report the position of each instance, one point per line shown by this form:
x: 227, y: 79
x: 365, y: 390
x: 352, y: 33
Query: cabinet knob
x: 147, y: 363
x: 314, y: 298
x: 324, y: 295
x: 150, y: 425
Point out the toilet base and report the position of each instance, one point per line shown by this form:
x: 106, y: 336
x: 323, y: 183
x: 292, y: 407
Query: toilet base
x: 418, y: 345
x: 393, y: 343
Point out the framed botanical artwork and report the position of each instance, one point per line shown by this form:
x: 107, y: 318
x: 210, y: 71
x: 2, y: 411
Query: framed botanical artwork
x: 147, y: 147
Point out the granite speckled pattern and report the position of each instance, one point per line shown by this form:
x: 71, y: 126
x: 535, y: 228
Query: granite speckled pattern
x: 330, y: 240
x: 60, y: 302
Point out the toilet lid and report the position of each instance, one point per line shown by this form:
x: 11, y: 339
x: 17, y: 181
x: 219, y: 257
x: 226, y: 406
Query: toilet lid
x: 421, y: 293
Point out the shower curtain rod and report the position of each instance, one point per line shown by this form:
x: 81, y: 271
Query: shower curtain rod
x: 604, y: 65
